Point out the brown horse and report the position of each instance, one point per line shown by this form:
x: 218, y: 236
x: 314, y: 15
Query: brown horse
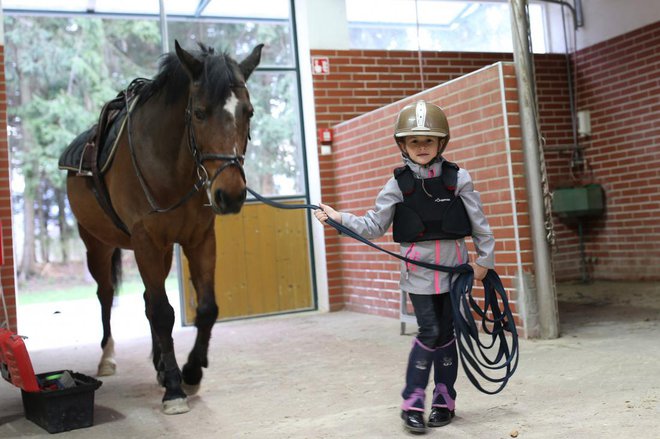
x: 178, y: 163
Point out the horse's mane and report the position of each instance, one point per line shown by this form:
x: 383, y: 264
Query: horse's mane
x: 217, y: 78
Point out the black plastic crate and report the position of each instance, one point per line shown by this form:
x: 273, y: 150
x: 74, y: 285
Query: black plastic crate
x: 62, y: 409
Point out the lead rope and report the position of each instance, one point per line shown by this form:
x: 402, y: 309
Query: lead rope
x: 472, y: 351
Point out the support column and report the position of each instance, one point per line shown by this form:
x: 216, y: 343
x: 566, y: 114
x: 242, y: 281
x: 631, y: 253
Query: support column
x: 544, y: 280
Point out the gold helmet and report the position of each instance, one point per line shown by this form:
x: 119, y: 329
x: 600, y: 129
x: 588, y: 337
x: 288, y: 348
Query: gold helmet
x: 422, y: 119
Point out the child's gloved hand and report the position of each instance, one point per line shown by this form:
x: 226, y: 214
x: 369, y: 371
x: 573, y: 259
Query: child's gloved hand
x: 479, y: 271
x: 327, y: 212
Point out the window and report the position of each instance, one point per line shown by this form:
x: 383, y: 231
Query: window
x: 63, y: 62
x: 434, y: 25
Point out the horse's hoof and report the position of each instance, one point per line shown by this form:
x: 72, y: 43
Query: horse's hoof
x: 176, y: 406
x: 107, y: 368
x: 190, y: 389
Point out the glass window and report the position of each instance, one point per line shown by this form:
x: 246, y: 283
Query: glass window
x: 213, y: 8
x: 274, y: 161
x: 436, y: 25
x: 238, y: 37
x: 62, y: 64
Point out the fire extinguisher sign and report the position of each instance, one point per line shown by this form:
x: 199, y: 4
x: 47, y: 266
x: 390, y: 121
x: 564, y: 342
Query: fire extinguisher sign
x: 320, y: 65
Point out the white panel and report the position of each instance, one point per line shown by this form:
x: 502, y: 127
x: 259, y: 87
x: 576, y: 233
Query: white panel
x: 605, y: 19
x: 327, y: 24
x: 309, y: 131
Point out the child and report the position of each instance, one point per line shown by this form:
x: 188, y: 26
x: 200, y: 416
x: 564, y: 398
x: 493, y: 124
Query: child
x: 432, y: 206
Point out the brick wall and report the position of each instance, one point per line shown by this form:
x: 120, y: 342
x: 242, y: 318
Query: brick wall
x: 618, y: 81
x: 364, y: 155
x: 7, y: 269
x: 364, y: 80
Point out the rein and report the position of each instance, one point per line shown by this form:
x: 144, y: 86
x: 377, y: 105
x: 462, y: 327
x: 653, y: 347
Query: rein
x: 203, y: 180
x: 472, y: 350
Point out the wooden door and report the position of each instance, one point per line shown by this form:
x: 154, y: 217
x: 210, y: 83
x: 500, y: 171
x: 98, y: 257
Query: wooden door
x: 263, y: 264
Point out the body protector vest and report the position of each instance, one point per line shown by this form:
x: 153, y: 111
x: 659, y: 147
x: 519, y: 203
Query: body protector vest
x: 430, y: 210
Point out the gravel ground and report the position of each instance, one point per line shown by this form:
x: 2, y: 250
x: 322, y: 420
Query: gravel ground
x: 339, y: 375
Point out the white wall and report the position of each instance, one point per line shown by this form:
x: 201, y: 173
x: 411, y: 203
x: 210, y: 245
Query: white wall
x: 309, y: 131
x: 605, y: 19
x: 327, y: 24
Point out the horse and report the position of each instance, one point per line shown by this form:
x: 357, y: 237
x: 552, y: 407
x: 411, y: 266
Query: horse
x: 184, y: 149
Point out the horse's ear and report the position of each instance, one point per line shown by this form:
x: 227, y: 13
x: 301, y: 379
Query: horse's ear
x: 192, y: 65
x: 250, y: 63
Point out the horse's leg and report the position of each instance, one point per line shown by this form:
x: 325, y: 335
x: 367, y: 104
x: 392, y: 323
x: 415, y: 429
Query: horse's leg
x: 155, y: 346
x: 202, y: 267
x: 149, y: 258
x: 100, y: 262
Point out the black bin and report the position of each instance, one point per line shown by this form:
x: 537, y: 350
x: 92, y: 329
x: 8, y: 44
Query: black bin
x: 62, y: 409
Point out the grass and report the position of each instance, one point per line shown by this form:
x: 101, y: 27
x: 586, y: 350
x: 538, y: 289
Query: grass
x: 60, y: 293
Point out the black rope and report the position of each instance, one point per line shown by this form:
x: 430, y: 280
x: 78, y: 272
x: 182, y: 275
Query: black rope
x: 496, y: 322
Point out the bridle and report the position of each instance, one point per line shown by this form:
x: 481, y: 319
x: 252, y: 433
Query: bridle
x: 203, y: 181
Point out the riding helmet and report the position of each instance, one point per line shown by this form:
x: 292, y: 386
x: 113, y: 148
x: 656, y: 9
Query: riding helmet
x: 422, y: 119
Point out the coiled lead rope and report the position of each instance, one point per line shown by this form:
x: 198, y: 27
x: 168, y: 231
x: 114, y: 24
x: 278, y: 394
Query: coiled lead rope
x: 474, y: 353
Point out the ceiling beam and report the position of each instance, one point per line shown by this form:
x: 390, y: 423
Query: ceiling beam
x: 201, y: 6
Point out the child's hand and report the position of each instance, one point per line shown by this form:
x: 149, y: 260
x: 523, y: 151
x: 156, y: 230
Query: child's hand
x: 479, y: 271
x: 327, y: 212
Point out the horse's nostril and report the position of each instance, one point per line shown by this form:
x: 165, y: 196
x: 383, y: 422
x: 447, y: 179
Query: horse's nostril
x: 229, y: 203
x: 219, y: 198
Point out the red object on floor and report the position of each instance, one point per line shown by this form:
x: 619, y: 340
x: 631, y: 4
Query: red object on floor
x: 15, y: 362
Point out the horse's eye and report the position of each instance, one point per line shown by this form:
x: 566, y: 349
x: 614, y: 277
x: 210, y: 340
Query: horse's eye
x: 200, y: 114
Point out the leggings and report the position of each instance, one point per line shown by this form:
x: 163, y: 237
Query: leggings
x: 434, y: 318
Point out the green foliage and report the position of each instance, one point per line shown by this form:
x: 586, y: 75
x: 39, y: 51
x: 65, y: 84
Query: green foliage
x: 61, y: 70
x: 275, y: 149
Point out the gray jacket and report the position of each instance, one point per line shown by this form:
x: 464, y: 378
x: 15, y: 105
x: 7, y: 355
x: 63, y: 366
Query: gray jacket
x: 415, y: 279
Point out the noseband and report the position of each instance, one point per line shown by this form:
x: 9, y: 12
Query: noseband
x: 203, y: 180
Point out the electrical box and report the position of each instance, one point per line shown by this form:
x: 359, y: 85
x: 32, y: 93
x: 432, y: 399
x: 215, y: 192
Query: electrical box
x: 581, y: 201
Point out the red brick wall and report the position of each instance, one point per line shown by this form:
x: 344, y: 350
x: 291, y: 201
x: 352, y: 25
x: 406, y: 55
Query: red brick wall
x: 364, y: 80
x: 361, y: 81
x: 7, y: 269
x: 622, y: 94
x: 363, y: 158
x: 618, y: 81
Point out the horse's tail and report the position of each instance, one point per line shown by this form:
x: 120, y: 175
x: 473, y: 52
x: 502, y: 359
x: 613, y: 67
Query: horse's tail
x: 115, y: 270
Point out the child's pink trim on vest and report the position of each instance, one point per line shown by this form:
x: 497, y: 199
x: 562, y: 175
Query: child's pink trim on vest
x: 458, y: 253
x: 410, y: 249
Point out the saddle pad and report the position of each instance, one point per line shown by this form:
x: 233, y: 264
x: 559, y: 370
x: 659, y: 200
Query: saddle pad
x: 71, y: 158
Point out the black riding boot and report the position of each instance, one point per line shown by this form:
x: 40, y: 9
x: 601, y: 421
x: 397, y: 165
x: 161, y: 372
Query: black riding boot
x: 445, y: 370
x: 417, y: 377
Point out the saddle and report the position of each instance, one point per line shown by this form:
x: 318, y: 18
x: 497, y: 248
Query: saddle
x: 91, y: 152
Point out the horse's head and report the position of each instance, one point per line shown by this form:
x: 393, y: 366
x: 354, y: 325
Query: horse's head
x: 218, y: 120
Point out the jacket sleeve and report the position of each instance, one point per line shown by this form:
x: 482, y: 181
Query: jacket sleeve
x: 482, y: 236
x: 376, y: 221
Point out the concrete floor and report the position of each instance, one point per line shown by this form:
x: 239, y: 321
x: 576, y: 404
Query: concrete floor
x: 339, y: 375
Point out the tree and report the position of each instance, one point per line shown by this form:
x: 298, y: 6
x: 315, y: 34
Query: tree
x: 60, y: 71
